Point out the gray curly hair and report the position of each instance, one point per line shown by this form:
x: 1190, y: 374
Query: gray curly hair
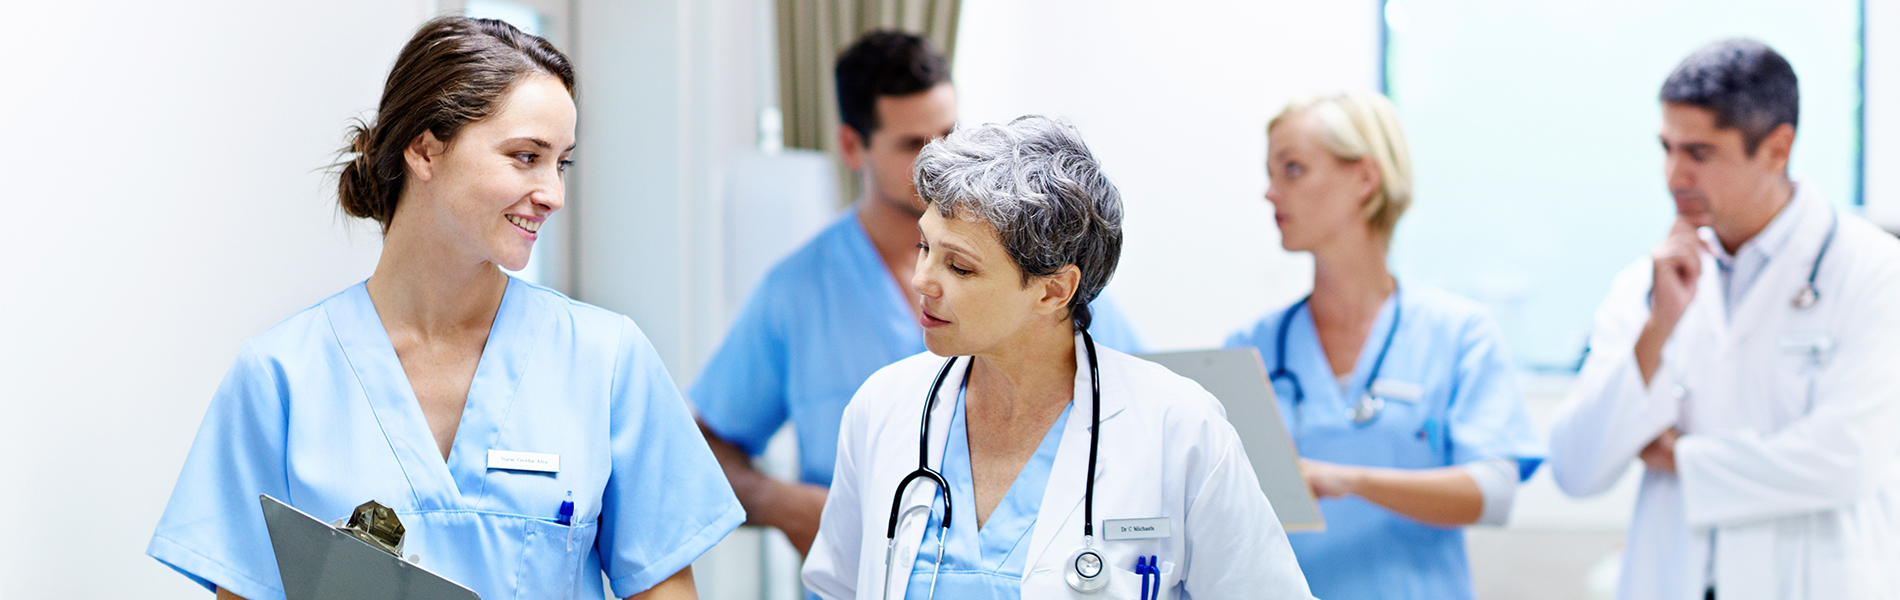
x: 1036, y: 183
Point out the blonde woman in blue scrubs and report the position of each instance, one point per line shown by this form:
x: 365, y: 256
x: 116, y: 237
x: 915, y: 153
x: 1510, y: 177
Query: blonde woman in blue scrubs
x: 1400, y: 398
x: 405, y: 389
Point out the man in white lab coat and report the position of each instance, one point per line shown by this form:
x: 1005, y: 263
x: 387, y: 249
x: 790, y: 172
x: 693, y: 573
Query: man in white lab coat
x: 1749, y: 362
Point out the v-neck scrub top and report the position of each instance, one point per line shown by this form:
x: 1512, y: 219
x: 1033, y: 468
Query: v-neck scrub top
x: 985, y: 563
x: 317, y: 412
x: 1450, y: 399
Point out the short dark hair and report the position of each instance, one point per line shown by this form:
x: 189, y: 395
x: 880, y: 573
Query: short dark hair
x: 884, y: 62
x: 1744, y: 82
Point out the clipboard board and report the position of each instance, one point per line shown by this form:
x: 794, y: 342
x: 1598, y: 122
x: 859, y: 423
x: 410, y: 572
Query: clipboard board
x: 1238, y: 379
x: 320, y: 562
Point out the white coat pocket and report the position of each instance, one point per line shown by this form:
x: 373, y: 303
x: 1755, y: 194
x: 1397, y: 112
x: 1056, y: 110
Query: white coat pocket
x: 1125, y: 584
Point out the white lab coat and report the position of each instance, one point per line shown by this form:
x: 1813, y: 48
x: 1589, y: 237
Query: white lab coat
x: 1790, y: 420
x: 1166, y: 451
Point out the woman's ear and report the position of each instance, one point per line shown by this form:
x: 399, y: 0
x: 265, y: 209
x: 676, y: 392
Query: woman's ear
x: 1058, y: 288
x: 421, y: 153
x: 1368, y: 178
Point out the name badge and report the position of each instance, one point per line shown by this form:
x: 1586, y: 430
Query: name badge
x: 1813, y: 345
x: 1136, y: 529
x: 1393, y: 389
x: 524, y: 461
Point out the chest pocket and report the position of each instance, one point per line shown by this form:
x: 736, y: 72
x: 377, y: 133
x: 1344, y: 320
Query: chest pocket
x: 1124, y: 584
x: 1799, y: 357
x: 551, y: 559
x: 1411, y: 422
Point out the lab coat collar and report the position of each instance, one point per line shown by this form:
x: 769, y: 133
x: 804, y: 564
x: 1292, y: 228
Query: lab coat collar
x: 1061, y: 513
x: 1062, y: 498
x: 1773, y: 237
x: 1781, y: 278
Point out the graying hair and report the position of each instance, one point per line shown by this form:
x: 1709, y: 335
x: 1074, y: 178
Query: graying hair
x: 1036, y: 183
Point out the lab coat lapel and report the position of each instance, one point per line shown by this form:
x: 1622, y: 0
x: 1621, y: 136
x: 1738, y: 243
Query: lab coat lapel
x: 922, y: 492
x: 1060, y: 517
x: 1767, y: 300
x: 384, y: 385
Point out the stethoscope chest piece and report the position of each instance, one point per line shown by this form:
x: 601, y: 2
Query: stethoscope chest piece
x: 1087, y: 571
x: 1807, y: 297
x: 1367, y: 409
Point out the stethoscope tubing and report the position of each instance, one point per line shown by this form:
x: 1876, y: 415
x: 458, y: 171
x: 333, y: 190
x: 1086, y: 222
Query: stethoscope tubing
x: 924, y: 471
x: 1279, y: 352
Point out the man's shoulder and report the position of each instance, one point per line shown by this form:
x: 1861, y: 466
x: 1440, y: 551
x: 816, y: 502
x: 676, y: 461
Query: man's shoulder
x: 821, y: 259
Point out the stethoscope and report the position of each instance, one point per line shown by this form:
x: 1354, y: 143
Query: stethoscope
x: 1369, y: 406
x: 1809, y: 294
x: 1087, y: 570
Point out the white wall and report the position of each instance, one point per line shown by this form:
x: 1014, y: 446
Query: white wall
x: 1174, y: 100
x: 163, y: 167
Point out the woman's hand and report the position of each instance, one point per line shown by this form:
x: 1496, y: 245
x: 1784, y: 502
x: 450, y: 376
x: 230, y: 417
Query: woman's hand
x: 1445, y: 496
x: 1329, y: 480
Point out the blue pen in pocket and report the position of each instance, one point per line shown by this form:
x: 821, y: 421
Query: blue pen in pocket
x: 566, y: 517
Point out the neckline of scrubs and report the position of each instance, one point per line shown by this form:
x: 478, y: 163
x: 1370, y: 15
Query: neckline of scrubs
x: 881, y: 271
x: 987, y: 562
x: 1307, y: 358
x: 434, y: 482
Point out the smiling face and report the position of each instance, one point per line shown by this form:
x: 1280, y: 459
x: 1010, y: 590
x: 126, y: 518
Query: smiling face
x: 1710, y: 174
x: 974, y: 298
x: 1317, y: 198
x: 486, y: 193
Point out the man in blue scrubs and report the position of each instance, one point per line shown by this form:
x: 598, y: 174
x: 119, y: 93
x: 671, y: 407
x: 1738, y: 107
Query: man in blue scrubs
x: 840, y: 307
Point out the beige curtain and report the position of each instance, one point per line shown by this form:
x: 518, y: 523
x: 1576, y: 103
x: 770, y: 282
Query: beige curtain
x: 811, y: 33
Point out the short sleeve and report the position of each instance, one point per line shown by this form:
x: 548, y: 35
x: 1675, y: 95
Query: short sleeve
x: 213, y: 527
x: 1486, y: 416
x: 666, y: 501
x: 741, y: 394
x: 1237, y: 545
x: 1110, y: 327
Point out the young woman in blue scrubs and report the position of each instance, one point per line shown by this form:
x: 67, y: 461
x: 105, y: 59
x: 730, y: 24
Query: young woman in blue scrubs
x: 417, y: 387
x: 1400, y: 397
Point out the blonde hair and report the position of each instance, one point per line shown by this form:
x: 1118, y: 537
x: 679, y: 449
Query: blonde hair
x: 1360, y: 125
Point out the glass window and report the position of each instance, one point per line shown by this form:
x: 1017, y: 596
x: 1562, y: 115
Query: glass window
x: 1533, y: 133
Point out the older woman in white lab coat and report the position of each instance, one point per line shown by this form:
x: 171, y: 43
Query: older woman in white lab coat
x: 1766, y: 407
x: 1021, y: 230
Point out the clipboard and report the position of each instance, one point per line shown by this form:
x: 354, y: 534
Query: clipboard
x: 1238, y: 379
x: 319, y: 562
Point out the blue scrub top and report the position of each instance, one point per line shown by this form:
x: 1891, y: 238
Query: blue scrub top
x: 819, y: 324
x: 982, y: 563
x: 1468, y: 409
x: 317, y: 412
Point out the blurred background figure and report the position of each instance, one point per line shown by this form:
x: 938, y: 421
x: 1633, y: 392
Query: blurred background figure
x: 1747, y: 362
x: 1401, y: 399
